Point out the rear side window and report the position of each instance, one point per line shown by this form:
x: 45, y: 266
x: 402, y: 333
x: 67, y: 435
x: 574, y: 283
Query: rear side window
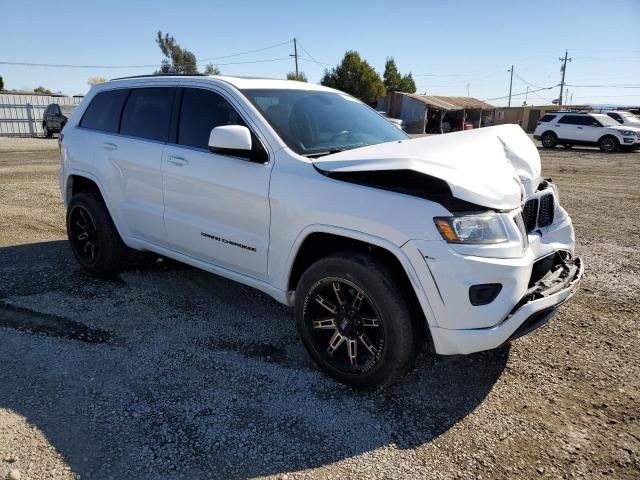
x: 202, y: 111
x: 103, y: 113
x: 571, y: 120
x: 147, y: 112
x: 547, y: 118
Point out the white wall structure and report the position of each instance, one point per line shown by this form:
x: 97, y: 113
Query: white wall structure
x: 21, y: 115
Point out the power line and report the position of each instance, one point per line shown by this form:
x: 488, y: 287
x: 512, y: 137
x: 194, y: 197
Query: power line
x: 519, y: 94
x: 604, y: 86
x: 155, y: 65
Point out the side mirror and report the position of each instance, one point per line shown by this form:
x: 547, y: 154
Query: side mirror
x: 231, y: 140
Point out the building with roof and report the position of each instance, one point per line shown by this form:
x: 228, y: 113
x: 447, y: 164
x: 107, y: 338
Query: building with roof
x: 436, y: 114
x: 527, y: 116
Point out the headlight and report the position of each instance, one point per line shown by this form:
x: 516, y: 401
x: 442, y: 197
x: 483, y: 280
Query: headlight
x: 480, y: 228
x: 627, y: 132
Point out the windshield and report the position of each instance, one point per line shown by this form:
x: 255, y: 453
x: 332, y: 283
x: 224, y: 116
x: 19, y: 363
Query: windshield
x: 606, y: 120
x: 631, y: 118
x: 314, y: 123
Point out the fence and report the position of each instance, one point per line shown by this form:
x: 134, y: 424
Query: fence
x: 21, y: 115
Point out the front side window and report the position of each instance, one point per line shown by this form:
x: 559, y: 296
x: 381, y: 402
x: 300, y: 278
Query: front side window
x: 147, y: 113
x: 103, y: 113
x: 314, y: 123
x: 202, y: 111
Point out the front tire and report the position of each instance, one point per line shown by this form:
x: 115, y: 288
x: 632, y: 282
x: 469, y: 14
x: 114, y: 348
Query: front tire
x: 94, y: 239
x: 549, y: 140
x: 609, y: 144
x: 355, y: 322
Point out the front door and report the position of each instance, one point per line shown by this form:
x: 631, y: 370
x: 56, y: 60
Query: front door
x: 216, y: 206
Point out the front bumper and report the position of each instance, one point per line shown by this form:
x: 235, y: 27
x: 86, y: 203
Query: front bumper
x: 537, y: 307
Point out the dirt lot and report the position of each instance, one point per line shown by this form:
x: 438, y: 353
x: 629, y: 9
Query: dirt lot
x: 167, y: 372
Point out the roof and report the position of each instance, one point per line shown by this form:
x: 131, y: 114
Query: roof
x: 451, y: 103
x: 238, y: 82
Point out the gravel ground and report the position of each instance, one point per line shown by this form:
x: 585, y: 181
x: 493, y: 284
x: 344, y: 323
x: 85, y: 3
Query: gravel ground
x: 166, y: 372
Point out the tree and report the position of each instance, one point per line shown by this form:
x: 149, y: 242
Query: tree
x: 96, y: 80
x: 394, y: 81
x: 177, y: 59
x: 1, y: 83
x: 356, y: 77
x: 46, y: 91
x: 211, y: 69
x: 300, y: 77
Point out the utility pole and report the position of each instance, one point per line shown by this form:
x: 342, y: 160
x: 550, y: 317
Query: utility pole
x: 563, y: 69
x: 525, y: 97
x: 468, y: 86
x: 295, y: 54
x: 510, y: 84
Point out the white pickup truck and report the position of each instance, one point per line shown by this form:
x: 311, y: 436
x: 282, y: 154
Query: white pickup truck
x: 382, y: 244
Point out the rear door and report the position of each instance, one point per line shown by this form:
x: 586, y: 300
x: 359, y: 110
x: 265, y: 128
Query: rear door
x: 566, y: 127
x: 127, y: 129
x: 216, y: 206
x: 137, y: 155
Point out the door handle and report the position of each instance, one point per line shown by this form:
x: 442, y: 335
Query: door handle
x: 178, y: 161
x: 109, y: 146
x: 579, y: 128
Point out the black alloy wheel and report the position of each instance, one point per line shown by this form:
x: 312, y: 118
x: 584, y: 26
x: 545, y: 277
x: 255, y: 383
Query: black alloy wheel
x: 83, y: 235
x: 346, y: 329
x: 355, y: 318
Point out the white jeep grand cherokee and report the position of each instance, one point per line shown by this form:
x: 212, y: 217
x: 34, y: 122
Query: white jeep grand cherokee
x: 382, y: 243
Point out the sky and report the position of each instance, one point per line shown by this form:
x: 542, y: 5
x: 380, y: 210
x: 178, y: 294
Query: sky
x: 451, y: 47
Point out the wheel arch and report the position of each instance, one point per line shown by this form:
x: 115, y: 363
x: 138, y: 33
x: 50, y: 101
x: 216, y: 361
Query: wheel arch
x: 81, y: 181
x: 549, y: 131
x: 321, y: 242
x: 608, y: 135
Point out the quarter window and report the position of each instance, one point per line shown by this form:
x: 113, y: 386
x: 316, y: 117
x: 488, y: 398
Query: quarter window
x: 147, y: 112
x: 548, y: 117
x: 103, y: 113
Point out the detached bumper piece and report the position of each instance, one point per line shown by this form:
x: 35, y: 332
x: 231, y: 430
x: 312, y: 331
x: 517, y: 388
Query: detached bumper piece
x: 562, y: 273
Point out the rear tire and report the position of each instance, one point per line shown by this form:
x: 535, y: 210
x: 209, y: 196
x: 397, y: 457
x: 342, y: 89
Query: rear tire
x: 93, y: 237
x: 369, y: 347
x: 549, y: 140
x: 609, y: 144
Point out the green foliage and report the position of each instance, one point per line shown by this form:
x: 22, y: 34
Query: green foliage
x: 43, y: 90
x: 1, y: 83
x: 300, y: 77
x: 211, y: 69
x: 356, y: 77
x: 394, y: 81
x: 177, y: 59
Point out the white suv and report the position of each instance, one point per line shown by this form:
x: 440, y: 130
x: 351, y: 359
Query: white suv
x: 382, y: 243
x: 581, y: 128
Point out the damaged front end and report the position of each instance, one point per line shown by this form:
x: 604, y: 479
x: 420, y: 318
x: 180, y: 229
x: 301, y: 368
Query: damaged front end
x: 551, y: 275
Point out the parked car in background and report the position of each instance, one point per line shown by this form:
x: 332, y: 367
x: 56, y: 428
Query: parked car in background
x: 55, y: 117
x: 570, y: 128
x: 380, y: 242
x: 624, y: 118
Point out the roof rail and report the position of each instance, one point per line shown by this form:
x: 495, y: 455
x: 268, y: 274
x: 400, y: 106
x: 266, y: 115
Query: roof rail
x: 150, y: 75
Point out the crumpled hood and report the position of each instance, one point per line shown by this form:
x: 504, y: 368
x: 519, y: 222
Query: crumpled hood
x: 494, y: 167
